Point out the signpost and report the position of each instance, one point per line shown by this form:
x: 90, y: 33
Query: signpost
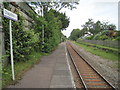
x: 12, y: 16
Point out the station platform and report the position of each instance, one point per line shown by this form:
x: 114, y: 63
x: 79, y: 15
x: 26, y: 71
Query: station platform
x: 53, y: 71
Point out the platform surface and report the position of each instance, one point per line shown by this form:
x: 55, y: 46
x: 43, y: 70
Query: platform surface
x: 53, y: 71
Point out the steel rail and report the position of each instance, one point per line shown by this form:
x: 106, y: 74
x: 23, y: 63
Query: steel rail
x: 77, y: 70
x: 77, y: 52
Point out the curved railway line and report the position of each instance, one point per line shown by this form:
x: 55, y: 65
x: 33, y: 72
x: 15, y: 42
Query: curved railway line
x: 90, y: 78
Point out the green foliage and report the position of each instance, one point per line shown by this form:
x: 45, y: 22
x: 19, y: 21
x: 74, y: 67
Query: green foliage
x: 97, y: 31
x: 38, y: 21
x: 101, y: 36
x: 52, y: 23
x: 75, y: 34
x: 112, y: 26
x: 89, y: 38
x: 104, y: 36
x: 117, y: 38
x: 97, y: 27
x: 6, y: 5
x: 27, y: 41
x: 52, y: 31
x: 63, y: 38
x: 63, y: 18
x: 24, y: 41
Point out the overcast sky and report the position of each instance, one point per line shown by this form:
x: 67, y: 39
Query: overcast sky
x: 103, y: 10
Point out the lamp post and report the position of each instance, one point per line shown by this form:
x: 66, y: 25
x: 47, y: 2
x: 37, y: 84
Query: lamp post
x: 42, y: 31
x: 42, y: 14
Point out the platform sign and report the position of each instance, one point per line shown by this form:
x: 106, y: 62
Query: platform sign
x: 12, y: 16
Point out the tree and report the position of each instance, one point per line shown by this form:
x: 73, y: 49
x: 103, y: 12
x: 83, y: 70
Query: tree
x: 97, y: 27
x: 59, y: 5
x: 111, y: 27
x: 105, y: 25
x: 94, y: 28
x: 53, y: 4
x: 63, y: 18
x: 63, y: 37
x: 75, y: 34
x: 52, y: 31
x: 53, y: 24
x: 89, y: 26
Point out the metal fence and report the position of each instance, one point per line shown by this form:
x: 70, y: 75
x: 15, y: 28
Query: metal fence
x: 113, y: 44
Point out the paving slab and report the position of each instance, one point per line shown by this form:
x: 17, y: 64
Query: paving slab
x: 60, y: 81
x: 53, y: 71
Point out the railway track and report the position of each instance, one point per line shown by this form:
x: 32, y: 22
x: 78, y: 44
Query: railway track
x: 90, y: 78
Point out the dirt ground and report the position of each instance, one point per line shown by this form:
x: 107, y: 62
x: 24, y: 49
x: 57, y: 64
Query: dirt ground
x: 107, y: 68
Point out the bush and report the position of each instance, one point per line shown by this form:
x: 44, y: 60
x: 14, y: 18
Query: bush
x: 101, y: 36
x: 24, y: 41
x: 89, y: 38
x: 27, y: 41
x: 117, y: 38
x: 96, y: 37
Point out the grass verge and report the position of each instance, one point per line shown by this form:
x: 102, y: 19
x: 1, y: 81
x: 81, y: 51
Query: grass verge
x: 99, y: 52
x: 20, y: 68
x: 110, y: 49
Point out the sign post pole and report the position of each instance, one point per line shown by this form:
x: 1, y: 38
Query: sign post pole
x: 12, y: 16
x: 11, y: 51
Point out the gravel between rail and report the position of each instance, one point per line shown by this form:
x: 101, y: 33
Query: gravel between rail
x: 108, y: 68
